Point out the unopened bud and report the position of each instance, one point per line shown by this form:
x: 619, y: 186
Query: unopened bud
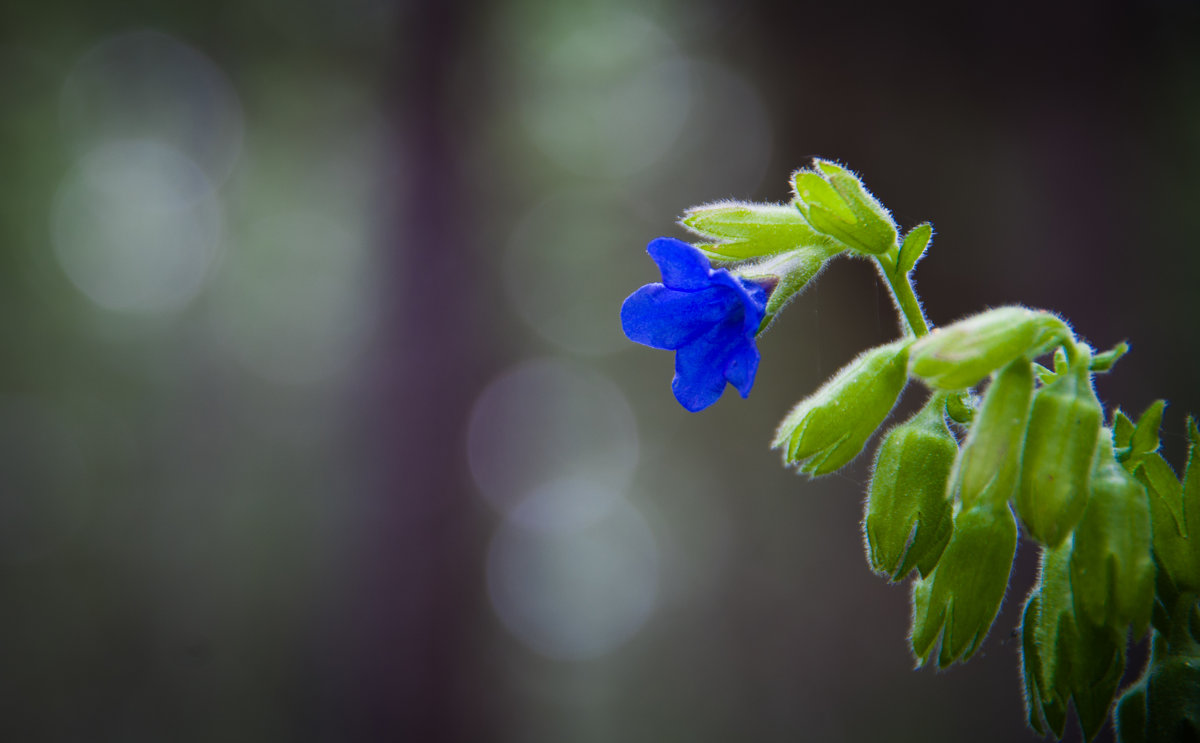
x: 1112, y: 570
x: 1060, y: 444
x: 960, y: 598
x: 829, y: 428
x: 1065, y: 657
x: 989, y: 464
x: 960, y: 355
x: 908, y: 518
x: 835, y: 203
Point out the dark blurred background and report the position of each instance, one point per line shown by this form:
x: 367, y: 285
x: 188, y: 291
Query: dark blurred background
x: 316, y: 420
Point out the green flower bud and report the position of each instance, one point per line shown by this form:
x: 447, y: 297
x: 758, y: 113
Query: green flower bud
x: 1065, y: 658
x: 908, y: 516
x: 1045, y: 622
x: 989, y: 464
x: 1046, y: 702
x: 1060, y: 444
x: 1112, y: 570
x: 829, y: 428
x: 958, y: 356
x: 744, y: 230
x: 835, y: 203
x: 1097, y: 662
x: 960, y: 598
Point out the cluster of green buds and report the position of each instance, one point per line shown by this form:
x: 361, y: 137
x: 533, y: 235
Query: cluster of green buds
x: 1002, y: 445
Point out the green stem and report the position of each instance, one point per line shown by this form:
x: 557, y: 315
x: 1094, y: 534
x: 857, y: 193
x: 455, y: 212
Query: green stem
x: 903, y: 295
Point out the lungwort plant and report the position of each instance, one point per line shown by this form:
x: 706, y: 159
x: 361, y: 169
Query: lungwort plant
x: 1118, y: 531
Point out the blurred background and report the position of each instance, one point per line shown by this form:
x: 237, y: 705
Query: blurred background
x: 316, y: 419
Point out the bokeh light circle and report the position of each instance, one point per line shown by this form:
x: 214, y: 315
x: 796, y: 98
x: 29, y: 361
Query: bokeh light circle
x: 136, y: 226
x: 573, y: 581
x: 607, y: 96
x: 147, y: 85
x: 549, y: 420
x: 562, y: 270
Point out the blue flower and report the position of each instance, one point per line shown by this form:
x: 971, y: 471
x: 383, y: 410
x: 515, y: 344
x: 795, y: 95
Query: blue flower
x: 708, y: 317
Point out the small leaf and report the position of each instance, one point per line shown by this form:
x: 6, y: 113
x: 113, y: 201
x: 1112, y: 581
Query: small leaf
x: 1157, y: 475
x: 1174, y: 552
x: 1104, y: 361
x: 914, y: 246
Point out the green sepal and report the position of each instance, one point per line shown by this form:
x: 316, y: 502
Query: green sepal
x: 1123, y: 429
x: 916, y: 242
x: 960, y: 355
x: 835, y: 203
x: 829, y: 428
x: 1048, y: 376
x: 745, y: 230
x: 1103, y: 362
x: 786, y: 275
x: 1112, y: 568
x: 1144, y: 438
x: 989, y: 463
x: 959, y: 600
x: 1060, y: 446
x: 908, y: 516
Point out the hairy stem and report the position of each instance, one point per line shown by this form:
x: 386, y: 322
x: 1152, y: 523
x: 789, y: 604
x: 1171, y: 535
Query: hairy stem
x: 903, y: 295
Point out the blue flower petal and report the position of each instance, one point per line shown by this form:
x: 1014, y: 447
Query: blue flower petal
x: 753, y: 297
x: 708, y: 317
x: 742, y: 367
x: 659, y: 317
x: 700, y: 367
x: 683, y: 267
